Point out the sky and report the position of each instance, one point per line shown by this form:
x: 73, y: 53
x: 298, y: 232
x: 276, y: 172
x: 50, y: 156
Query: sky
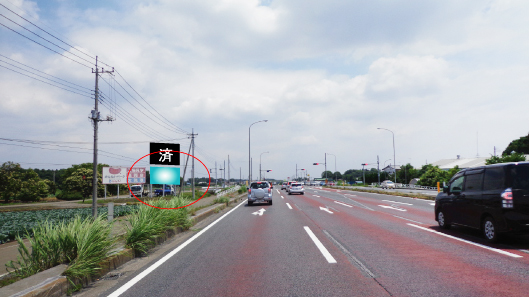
x: 447, y: 78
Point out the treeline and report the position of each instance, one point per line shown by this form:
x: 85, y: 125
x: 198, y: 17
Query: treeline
x: 19, y: 184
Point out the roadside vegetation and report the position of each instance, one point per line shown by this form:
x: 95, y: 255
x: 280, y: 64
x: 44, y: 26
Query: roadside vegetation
x: 82, y: 243
x: 23, y: 223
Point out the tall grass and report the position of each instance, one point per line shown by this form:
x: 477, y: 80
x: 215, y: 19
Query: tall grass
x: 81, y: 243
x: 150, y: 222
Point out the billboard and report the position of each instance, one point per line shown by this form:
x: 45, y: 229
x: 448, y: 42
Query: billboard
x: 118, y: 175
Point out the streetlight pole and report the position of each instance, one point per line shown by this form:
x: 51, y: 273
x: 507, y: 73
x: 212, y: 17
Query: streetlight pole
x: 260, y: 164
x: 394, y: 161
x: 249, y: 152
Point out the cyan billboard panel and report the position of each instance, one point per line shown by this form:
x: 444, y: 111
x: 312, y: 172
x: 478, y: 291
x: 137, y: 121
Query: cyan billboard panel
x: 165, y: 175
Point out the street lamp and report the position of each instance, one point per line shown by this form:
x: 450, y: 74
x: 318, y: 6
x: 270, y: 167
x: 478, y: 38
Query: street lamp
x: 260, y: 164
x: 249, y: 154
x: 394, y: 161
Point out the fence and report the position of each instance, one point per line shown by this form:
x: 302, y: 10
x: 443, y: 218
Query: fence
x: 230, y: 190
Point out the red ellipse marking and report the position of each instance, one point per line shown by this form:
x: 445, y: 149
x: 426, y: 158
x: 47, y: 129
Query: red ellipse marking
x: 209, y: 181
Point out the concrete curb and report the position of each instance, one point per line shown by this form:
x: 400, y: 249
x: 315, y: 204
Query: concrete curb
x: 51, y: 283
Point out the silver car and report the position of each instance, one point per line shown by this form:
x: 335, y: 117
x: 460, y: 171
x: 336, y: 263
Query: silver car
x: 260, y: 192
x: 296, y: 188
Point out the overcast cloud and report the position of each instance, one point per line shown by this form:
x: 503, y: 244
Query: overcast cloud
x: 447, y: 77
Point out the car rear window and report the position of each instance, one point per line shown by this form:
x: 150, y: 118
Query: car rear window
x: 296, y: 185
x: 260, y: 186
x: 135, y: 188
x: 520, y: 177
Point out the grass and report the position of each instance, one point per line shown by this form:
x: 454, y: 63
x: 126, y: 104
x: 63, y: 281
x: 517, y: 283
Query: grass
x: 411, y: 194
x: 81, y: 243
x: 149, y: 222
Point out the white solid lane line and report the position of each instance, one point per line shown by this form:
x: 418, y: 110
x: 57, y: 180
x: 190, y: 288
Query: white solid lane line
x: 289, y: 206
x: 320, y: 246
x: 151, y: 268
x: 469, y: 242
x: 343, y: 204
x: 398, y: 202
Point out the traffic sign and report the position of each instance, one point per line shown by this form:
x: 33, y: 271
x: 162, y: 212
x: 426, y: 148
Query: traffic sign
x: 165, y: 154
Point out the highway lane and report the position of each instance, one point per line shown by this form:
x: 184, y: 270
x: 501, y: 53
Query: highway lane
x: 331, y: 242
x: 415, y: 258
x: 260, y: 250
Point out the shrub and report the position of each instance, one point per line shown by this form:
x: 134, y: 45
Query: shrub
x: 69, y: 196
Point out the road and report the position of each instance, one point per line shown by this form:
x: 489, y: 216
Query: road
x: 331, y: 242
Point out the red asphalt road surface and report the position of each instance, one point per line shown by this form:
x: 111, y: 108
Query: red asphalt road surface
x: 373, y: 239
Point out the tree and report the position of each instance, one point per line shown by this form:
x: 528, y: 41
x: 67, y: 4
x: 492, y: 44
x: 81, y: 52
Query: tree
x: 514, y: 157
x: 337, y: 175
x: 32, y: 188
x: 407, y: 173
x: 79, y: 184
x: 520, y: 145
x: 21, y: 184
x: 329, y: 174
x: 433, y: 175
x: 9, y: 183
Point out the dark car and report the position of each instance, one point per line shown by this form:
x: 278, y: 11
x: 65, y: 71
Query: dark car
x: 493, y: 198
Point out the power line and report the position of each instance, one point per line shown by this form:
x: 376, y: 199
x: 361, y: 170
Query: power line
x: 43, y: 38
x: 43, y: 72
x: 46, y: 47
x: 71, y: 46
x: 46, y: 82
x: 164, y: 125
x: 186, y: 132
x: 121, y: 111
x: 47, y: 78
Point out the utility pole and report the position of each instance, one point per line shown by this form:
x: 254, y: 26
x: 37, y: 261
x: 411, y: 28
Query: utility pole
x: 96, y: 119
x: 229, y: 179
x: 378, y: 170
x: 364, y: 173
x: 193, y: 162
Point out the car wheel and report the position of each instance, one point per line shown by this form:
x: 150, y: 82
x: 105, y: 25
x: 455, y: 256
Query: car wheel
x: 489, y: 229
x: 250, y: 203
x: 289, y: 193
x: 441, y: 219
x: 270, y: 202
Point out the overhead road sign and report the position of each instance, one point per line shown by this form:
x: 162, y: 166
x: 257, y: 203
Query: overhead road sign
x: 165, y: 154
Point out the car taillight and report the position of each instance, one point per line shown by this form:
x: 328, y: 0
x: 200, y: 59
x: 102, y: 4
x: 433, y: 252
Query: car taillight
x: 506, y: 198
x: 249, y: 191
x: 269, y: 190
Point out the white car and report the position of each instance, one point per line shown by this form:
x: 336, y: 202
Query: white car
x: 296, y: 188
x: 387, y: 184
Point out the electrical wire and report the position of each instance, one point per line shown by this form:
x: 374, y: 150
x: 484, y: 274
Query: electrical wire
x: 155, y: 117
x: 46, y: 82
x: 42, y: 38
x: 169, y: 122
x: 76, y: 89
x: 125, y: 115
x: 46, y: 31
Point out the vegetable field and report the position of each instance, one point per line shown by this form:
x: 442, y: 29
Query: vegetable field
x: 17, y: 223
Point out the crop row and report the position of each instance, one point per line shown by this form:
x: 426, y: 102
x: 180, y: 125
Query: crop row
x: 18, y: 223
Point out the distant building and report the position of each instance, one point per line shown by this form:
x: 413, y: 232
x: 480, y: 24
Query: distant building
x: 463, y: 163
x: 389, y: 169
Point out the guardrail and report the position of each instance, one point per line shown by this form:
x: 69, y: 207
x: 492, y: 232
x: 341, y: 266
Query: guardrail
x: 230, y: 190
x: 407, y: 186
